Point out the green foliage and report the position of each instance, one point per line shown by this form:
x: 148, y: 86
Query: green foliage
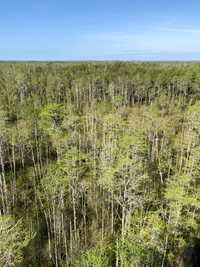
x: 13, y: 239
x: 99, y: 163
x: 98, y: 256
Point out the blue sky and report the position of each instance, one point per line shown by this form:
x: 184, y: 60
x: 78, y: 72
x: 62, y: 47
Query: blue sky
x: 99, y: 30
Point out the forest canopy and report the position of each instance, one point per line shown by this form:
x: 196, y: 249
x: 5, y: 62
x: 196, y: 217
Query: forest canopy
x: 99, y: 164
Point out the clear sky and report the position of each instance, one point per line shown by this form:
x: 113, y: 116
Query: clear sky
x: 99, y: 30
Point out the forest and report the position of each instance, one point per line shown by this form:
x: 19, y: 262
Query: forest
x: 100, y: 164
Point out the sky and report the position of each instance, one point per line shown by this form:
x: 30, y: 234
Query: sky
x: 147, y: 30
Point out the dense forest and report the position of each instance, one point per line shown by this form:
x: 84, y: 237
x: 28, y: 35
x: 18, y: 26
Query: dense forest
x: 99, y: 164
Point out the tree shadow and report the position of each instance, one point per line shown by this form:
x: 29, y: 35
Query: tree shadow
x: 195, y: 257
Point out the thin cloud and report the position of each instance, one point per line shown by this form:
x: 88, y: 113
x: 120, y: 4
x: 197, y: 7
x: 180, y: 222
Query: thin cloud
x: 174, y: 19
x: 170, y: 40
x: 41, y: 52
x: 155, y: 55
x: 181, y: 30
x: 135, y: 51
